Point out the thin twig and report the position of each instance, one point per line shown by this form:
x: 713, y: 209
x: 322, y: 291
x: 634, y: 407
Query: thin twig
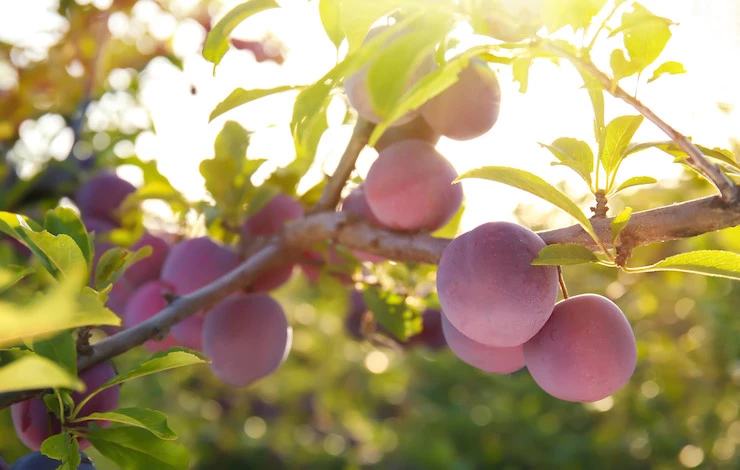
x: 563, y: 288
x: 729, y: 190
x: 333, y: 190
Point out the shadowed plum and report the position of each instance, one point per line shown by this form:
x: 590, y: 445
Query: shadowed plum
x: 482, y: 356
x: 469, y: 108
x: 34, y: 422
x: 247, y: 337
x: 585, y: 352
x: 417, y: 129
x: 38, y: 461
x: 194, y: 263
x: 431, y: 335
x: 489, y: 289
x: 147, y: 301
x: 149, y: 268
x: 101, y: 197
x: 266, y: 222
x: 409, y: 187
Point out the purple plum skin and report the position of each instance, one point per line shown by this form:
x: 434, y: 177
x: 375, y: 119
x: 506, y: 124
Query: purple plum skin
x: 487, y: 358
x: 101, y: 197
x: 147, y: 301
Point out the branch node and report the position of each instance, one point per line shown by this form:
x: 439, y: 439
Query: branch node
x: 601, y: 207
x: 83, y: 341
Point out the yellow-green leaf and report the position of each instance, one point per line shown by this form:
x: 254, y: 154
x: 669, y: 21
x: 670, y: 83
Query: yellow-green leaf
x: 32, y: 372
x: 635, y: 181
x: 620, y: 222
x: 715, y: 263
x: 240, y: 96
x: 562, y: 255
x: 153, y: 421
x: 670, y: 67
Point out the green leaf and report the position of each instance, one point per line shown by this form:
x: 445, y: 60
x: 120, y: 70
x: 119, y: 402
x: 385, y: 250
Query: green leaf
x: 620, y: 222
x: 63, y: 307
x: 671, y: 148
x: 392, y: 312
x: 57, y: 253
x: 715, y: 263
x: 63, y: 447
x: 635, y: 181
x: 161, y: 190
x: 52, y: 401
x: 431, y: 85
x: 133, y: 448
x: 64, y: 220
x: 217, y: 41
x: 356, y: 17
x: 620, y: 65
x: 575, y: 13
x: 596, y: 94
x: 60, y: 349
x: 563, y: 255
x: 645, y: 37
x: 329, y: 12
x: 389, y: 75
x: 535, y: 185
x: 520, y: 71
x: 153, y: 421
x: 240, y: 96
x: 163, y: 360
x: 617, y: 137
x: 32, y: 372
x: 671, y: 67
x: 574, y: 153
x: 11, y: 275
x: 115, y: 262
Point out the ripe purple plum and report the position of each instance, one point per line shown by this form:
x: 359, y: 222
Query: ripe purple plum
x: 417, y: 128
x: 489, y: 289
x: 189, y: 332
x: 469, y: 108
x: 38, y: 461
x: 358, y: 94
x: 147, y: 301
x: 101, y: 197
x: 272, y: 216
x: 194, y: 263
x: 409, y: 187
x: 431, y: 335
x: 487, y: 358
x: 34, y: 422
x: 267, y: 222
x: 585, y: 352
x: 149, y: 268
x: 247, y: 337
x: 118, y: 298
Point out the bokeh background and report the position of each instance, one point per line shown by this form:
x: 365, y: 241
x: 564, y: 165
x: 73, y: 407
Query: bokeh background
x: 342, y: 403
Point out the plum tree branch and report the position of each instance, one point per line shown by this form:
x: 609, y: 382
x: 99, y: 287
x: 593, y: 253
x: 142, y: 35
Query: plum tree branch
x: 333, y: 191
x: 676, y: 221
x: 730, y: 191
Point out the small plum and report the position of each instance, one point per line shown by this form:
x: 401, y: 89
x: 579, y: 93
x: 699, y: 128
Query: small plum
x: 409, y: 187
x: 585, y: 352
x: 102, y: 195
x: 247, y: 337
x: 417, y: 129
x: 469, y: 108
x: 147, y: 301
x: 489, y: 289
x: 38, y: 461
x: 487, y: 358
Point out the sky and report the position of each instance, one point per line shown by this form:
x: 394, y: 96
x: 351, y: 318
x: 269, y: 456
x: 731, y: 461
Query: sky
x: 706, y: 40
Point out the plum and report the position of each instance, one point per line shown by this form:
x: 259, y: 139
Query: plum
x: 417, y: 129
x: 488, y: 288
x: 482, y: 356
x: 469, y: 108
x: 194, y: 263
x: 409, y: 187
x: 585, y: 352
x: 147, y: 301
x: 247, y: 337
x: 101, y: 197
x: 38, y: 461
x: 431, y: 335
x: 149, y: 268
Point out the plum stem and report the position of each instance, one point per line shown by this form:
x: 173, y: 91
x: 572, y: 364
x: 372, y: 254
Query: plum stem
x: 561, y: 280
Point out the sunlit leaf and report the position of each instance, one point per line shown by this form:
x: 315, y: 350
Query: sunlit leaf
x: 574, y: 13
x: 63, y: 220
x: 115, y: 262
x: 240, y: 96
x: 715, y: 263
x: 562, y: 255
x: 153, y: 421
x: 620, y: 222
x: 671, y: 67
x: 635, y: 181
x: 329, y: 12
x: 535, y: 185
x: 392, y: 312
x: 574, y: 153
x: 32, y: 372
x: 217, y: 41
x: 617, y: 137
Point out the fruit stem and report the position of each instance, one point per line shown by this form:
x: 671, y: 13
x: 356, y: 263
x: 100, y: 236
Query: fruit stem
x: 563, y: 288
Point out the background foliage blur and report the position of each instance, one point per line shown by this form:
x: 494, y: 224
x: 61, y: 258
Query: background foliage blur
x: 342, y: 403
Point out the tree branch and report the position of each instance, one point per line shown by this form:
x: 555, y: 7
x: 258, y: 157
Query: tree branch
x: 333, y: 190
x: 730, y: 191
x: 682, y: 220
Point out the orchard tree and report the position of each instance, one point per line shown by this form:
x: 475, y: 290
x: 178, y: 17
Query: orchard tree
x: 85, y: 282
